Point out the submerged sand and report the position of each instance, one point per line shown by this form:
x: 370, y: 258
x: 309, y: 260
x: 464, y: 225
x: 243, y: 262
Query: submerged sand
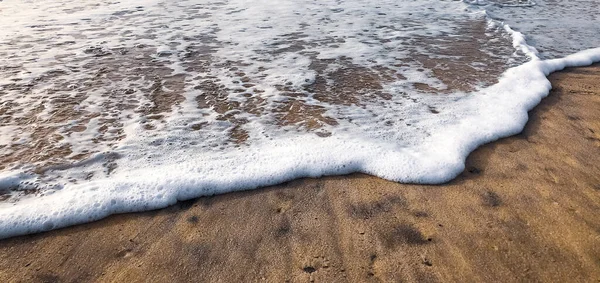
x: 525, y: 209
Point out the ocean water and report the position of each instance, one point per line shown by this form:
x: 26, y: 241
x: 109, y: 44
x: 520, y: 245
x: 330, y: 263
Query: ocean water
x: 118, y: 106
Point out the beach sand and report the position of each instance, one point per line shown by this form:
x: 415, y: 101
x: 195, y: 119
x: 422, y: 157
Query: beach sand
x: 525, y: 209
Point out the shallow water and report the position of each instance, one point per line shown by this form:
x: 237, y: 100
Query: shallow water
x: 109, y: 107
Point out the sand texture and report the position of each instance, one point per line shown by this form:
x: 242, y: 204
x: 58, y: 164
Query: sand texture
x: 526, y: 209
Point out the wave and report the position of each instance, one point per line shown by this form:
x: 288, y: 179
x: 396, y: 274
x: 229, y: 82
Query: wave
x: 244, y: 103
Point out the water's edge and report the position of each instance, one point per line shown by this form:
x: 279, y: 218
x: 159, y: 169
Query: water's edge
x: 473, y: 119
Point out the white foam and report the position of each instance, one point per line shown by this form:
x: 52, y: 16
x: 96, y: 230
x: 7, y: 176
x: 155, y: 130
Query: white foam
x: 158, y: 168
x: 502, y: 111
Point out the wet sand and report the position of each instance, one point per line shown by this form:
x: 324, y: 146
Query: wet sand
x: 525, y: 209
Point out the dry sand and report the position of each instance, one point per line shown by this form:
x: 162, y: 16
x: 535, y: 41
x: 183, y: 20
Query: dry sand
x: 526, y: 209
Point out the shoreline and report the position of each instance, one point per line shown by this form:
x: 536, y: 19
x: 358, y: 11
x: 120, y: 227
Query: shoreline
x: 524, y: 209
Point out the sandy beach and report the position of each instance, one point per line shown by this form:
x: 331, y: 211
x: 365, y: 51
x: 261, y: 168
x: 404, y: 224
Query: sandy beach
x: 525, y: 210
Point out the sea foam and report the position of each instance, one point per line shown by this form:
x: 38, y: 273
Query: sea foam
x: 413, y: 116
